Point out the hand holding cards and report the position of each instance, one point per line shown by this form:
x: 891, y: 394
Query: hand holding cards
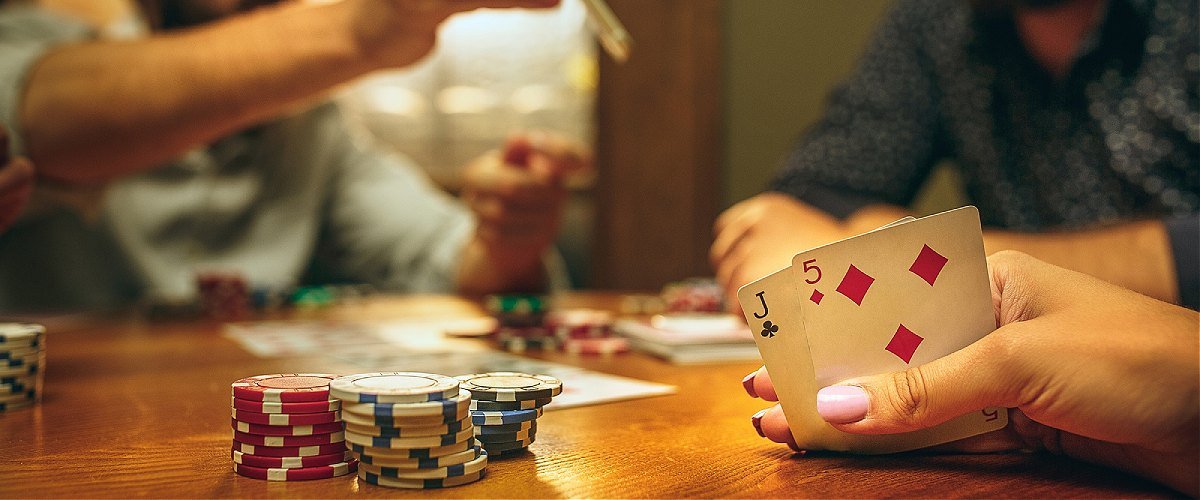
x: 884, y: 301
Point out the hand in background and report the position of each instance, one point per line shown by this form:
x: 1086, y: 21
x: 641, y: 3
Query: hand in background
x: 1090, y: 370
x: 16, y: 183
x: 518, y: 195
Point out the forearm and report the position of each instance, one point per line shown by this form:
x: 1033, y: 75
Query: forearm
x: 94, y: 111
x: 1134, y: 255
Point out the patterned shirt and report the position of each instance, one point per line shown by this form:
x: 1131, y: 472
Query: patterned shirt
x: 1118, y: 138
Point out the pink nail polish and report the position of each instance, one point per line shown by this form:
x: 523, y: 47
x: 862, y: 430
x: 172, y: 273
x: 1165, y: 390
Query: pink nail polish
x: 756, y: 419
x: 842, y: 404
x: 748, y: 384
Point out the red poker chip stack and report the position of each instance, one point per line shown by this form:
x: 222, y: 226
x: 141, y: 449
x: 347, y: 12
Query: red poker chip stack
x: 585, y: 331
x: 694, y: 295
x: 286, y: 427
x: 224, y: 295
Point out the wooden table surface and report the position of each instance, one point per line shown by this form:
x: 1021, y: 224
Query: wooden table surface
x: 137, y: 408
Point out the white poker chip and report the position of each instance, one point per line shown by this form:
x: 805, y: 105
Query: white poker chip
x: 394, y: 387
x: 21, y: 334
x: 510, y: 386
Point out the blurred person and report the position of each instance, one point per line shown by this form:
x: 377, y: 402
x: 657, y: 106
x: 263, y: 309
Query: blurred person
x: 1088, y: 369
x: 16, y: 182
x: 1075, y: 125
x: 222, y: 153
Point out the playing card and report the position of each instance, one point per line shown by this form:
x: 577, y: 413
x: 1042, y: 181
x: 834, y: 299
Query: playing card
x: 898, y: 297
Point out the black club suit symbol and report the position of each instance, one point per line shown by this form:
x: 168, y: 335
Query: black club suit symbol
x: 769, y: 329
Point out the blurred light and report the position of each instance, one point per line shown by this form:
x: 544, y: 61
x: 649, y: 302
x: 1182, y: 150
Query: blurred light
x: 463, y: 99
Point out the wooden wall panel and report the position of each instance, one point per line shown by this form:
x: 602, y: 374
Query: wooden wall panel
x: 658, y: 148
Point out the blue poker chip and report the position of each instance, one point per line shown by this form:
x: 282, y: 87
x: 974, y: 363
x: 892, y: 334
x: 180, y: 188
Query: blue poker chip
x: 423, y: 463
x: 410, y: 442
x: 409, y: 453
x: 419, y: 484
x: 445, y: 408
x: 393, y: 387
x: 476, y: 464
x: 505, y: 428
x: 507, y: 437
x: 504, y: 416
x: 510, y: 386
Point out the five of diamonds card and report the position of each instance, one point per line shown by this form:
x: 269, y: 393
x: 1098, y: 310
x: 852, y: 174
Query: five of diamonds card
x: 897, y: 297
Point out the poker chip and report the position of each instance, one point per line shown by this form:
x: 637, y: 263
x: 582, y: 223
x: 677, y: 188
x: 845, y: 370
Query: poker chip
x: 527, y: 404
x: 411, y: 442
x: 505, y: 428
x: 454, y: 406
x: 409, y: 431
x: 22, y: 352
x: 409, y: 453
x: 392, y: 482
x: 289, y: 451
x: 286, y: 430
x: 313, y: 440
x: 393, y: 387
x: 522, y: 304
x: 290, y: 462
x: 16, y: 404
x: 297, y: 407
x: 506, y: 437
x: 579, y: 323
x: 284, y: 388
x: 495, y: 448
x: 510, y: 386
x: 286, y: 418
x: 21, y: 371
x: 300, y: 474
x: 694, y: 295
x: 504, y: 416
x: 223, y: 294
x: 422, y: 463
x: 470, y: 467
x: 415, y: 421
x: 16, y: 335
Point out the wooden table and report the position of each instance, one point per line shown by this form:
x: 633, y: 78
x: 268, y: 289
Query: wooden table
x: 135, y: 408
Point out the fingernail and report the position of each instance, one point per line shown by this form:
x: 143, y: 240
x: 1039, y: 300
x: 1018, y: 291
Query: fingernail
x: 748, y: 385
x: 791, y: 442
x: 756, y: 419
x: 842, y: 404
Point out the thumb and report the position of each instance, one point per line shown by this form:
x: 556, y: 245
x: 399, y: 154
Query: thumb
x: 517, y: 149
x: 919, y: 397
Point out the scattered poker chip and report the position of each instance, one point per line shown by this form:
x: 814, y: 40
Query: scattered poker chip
x: 409, y: 431
x: 422, y: 463
x: 415, y: 421
x: 507, y: 437
x: 470, y: 467
x: 276, y: 441
x: 20, y: 334
x: 610, y: 345
x: 290, y: 462
x: 392, y: 482
x: 289, y: 451
x: 420, y: 453
x: 284, y: 387
x: 411, y: 442
x: 454, y: 406
x: 494, y: 448
x: 504, y: 416
x: 286, y: 418
x: 527, y: 304
x: 510, y: 386
x: 393, y: 387
x: 527, y: 404
x: 286, y: 430
x: 291, y: 408
x: 300, y: 474
x: 505, y: 428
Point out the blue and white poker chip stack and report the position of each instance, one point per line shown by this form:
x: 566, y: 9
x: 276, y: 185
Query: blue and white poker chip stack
x: 22, y: 364
x: 410, y: 430
x: 506, y: 406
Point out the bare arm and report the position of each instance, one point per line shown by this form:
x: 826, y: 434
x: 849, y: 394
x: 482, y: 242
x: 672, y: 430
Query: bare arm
x: 95, y: 111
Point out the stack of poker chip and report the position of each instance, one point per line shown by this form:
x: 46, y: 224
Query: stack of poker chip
x: 223, y: 295
x: 520, y: 322
x: 287, y: 428
x: 585, y: 331
x: 505, y: 407
x: 22, y: 364
x: 410, y: 430
x: 694, y: 295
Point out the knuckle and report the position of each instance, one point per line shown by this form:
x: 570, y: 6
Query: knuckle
x: 910, y: 397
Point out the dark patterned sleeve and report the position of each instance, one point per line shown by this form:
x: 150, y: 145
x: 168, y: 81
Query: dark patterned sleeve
x: 1184, y: 234
x: 879, y: 137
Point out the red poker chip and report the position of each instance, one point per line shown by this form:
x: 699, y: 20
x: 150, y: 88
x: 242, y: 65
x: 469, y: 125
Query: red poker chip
x: 277, y: 441
x: 611, y: 345
x: 285, y: 430
x: 301, y: 474
x: 284, y: 387
x: 290, y: 408
x: 289, y: 462
x: 289, y: 451
x: 286, y: 418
